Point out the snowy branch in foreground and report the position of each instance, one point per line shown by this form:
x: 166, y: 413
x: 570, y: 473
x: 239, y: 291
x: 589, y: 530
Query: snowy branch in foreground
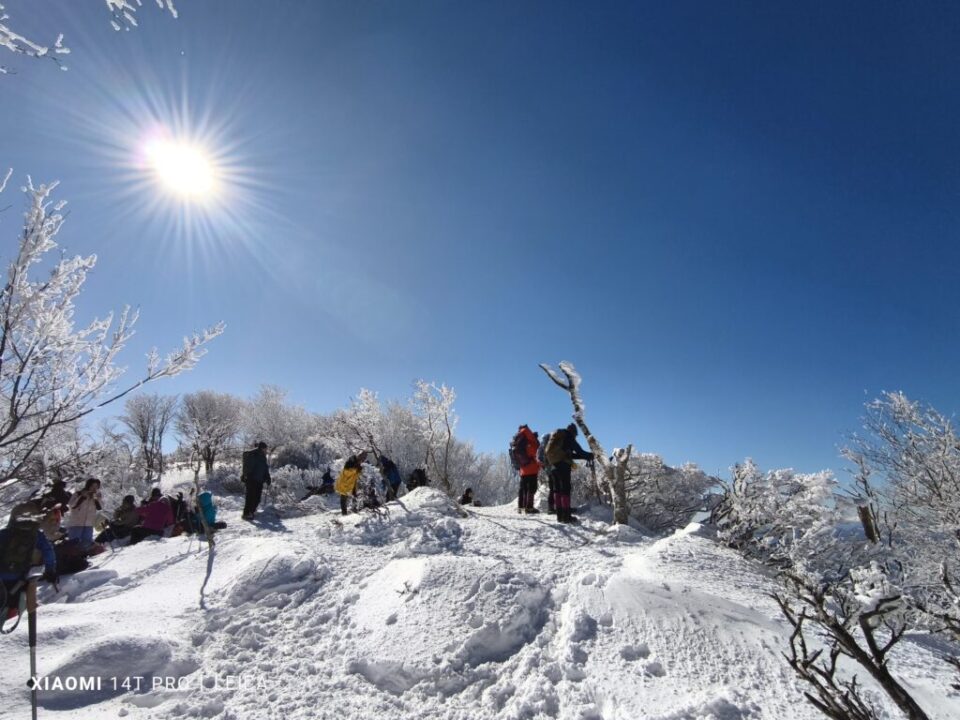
x: 51, y: 372
x: 124, y: 12
x: 17, y: 43
x: 122, y: 17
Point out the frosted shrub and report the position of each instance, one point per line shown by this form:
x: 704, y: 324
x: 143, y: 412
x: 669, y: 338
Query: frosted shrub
x: 663, y: 498
x: 776, y: 515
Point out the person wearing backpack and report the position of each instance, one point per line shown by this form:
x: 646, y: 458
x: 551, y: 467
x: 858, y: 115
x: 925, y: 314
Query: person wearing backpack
x: 22, y: 543
x: 255, y: 475
x: 84, y: 507
x: 561, y: 452
x: 523, y: 453
x: 346, y: 485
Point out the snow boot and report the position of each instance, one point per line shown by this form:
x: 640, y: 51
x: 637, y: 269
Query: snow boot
x: 532, y: 511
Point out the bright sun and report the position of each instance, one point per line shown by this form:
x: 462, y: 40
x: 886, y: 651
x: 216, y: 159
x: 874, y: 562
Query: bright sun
x: 183, y: 169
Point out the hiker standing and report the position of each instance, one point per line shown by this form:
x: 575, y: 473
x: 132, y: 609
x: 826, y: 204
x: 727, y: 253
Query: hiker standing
x: 326, y: 482
x: 255, y: 475
x: 84, y: 507
x: 560, y: 453
x: 523, y: 453
x: 391, y: 477
x: 349, y: 479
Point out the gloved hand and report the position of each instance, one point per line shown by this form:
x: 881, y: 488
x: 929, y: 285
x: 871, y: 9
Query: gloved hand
x: 50, y: 576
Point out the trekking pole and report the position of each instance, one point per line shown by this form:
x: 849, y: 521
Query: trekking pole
x: 32, y: 632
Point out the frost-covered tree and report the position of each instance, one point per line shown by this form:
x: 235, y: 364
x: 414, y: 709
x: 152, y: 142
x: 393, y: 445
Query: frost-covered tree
x: 434, y: 407
x: 907, y: 489
x: 122, y: 13
x: 401, y: 438
x: 855, y: 597
x: 661, y: 497
x: 776, y: 515
x: 52, y: 373
x: 288, y: 429
x: 613, y: 486
x: 147, y: 419
x: 360, y: 426
x: 209, y: 423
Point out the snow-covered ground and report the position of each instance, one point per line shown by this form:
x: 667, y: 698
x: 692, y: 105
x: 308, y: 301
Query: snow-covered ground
x: 427, y: 611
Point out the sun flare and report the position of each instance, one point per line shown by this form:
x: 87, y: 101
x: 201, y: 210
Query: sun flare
x: 183, y: 169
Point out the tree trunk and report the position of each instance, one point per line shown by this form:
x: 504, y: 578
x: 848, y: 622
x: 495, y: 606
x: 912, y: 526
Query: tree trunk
x: 610, y: 490
x: 621, y: 511
x: 869, y: 527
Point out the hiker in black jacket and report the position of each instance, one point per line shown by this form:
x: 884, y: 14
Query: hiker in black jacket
x: 560, y: 453
x: 255, y: 475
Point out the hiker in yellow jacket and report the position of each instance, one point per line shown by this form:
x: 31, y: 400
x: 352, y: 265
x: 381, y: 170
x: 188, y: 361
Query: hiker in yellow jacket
x: 349, y: 479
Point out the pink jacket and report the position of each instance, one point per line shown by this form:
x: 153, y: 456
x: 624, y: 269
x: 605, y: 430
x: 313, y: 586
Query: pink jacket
x: 155, y: 515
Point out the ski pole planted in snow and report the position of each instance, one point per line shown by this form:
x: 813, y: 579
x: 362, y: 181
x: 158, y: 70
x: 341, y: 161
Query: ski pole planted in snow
x: 32, y: 632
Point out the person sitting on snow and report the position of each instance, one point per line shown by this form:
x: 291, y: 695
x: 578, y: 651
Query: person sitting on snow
x: 467, y: 497
x: 125, y: 519
x: 155, y: 517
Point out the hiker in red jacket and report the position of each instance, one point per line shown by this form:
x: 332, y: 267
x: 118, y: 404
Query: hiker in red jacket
x: 155, y: 517
x: 526, y: 443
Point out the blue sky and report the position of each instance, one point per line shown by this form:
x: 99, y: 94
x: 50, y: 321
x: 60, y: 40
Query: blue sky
x: 739, y: 220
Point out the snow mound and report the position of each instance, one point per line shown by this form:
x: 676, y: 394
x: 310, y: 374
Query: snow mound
x: 272, y: 580
x: 104, y: 665
x: 73, y: 586
x: 428, y: 619
x: 422, y: 522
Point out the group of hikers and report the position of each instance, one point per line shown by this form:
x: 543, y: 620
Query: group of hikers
x: 255, y: 474
x: 60, y: 527
x: 556, y: 455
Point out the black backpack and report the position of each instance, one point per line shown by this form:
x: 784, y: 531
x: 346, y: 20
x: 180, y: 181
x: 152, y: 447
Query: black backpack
x: 518, y: 450
x: 20, y: 541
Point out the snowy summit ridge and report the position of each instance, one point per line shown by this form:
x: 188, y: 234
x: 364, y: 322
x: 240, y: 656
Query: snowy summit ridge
x: 428, y: 611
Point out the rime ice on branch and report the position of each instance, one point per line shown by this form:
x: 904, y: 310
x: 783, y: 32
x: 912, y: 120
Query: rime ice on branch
x: 51, y: 372
x: 614, y: 470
